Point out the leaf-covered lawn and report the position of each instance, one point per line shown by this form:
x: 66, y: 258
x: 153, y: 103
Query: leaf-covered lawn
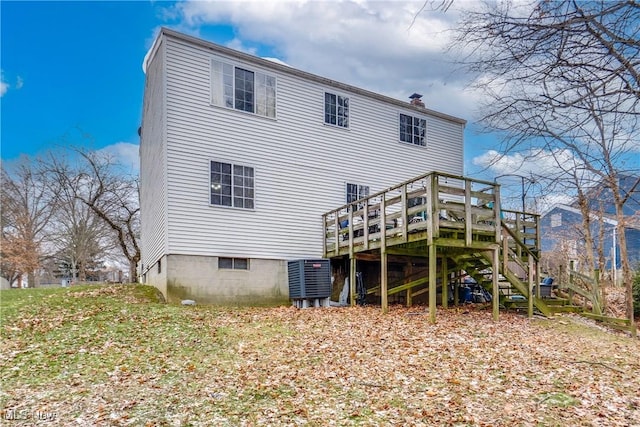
x: 113, y: 355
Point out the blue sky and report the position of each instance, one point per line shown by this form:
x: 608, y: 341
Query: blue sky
x: 69, y: 66
x: 74, y: 68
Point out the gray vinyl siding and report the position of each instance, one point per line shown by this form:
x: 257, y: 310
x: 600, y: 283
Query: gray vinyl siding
x: 153, y: 193
x: 301, y: 165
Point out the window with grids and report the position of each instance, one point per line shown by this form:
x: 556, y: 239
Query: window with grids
x: 355, y: 192
x: 233, y: 263
x: 336, y: 110
x: 241, y: 89
x: 232, y: 185
x: 413, y: 130
x: 244, y: 91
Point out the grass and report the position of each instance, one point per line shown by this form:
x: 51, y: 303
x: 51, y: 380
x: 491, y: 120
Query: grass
x: 116, y: 355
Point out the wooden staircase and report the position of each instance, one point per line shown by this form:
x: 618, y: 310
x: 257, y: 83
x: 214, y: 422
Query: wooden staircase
x: 455, y: 222
x: 479, y: 266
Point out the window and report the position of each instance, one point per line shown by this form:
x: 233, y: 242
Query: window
x: 233, y: 263
x: 232, y: 185
x: 244, y: 90
x: 159, y: 266
x: 241, y: 89
x: 413, y: 130
x: 556, y: 220
x: 336, y: 110
x: 355, y: 192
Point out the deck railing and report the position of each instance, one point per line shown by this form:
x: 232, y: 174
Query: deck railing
x: 432, y: 206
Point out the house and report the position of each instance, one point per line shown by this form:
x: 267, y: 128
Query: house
x: 562, y: 225
x: 241, y: 156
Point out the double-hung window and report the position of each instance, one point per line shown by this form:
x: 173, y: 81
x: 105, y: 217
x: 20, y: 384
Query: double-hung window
x: 242, y: 89
x: 355, y: 192
x: 413, y: 130
x: 336, y: 110
x: 232, y: 185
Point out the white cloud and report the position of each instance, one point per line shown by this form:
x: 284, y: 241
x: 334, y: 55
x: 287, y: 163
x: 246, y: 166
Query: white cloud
x: 370, y: 44
x: 533, y: 162
x: 126, y: 154
x: 238, y: 45
x: 545, y: 173
x: 4, y: 86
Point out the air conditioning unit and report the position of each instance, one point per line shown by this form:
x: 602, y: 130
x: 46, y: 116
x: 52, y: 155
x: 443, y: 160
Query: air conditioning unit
x: 309, y: 282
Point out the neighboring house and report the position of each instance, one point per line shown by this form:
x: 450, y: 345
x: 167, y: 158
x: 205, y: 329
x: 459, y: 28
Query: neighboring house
x: 562, y: 225
x: 600, y: 197
x: 240, y: 157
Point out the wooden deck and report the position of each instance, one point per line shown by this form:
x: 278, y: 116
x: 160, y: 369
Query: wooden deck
x: 451, y: 220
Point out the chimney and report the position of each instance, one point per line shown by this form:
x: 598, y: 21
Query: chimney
x: 416, y: 100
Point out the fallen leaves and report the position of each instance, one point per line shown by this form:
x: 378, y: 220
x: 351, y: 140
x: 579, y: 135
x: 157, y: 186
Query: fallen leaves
x: 115, y: 357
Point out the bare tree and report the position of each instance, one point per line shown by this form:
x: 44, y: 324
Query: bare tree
x: 27, y: 207
x: 563, y: 76
x: 98, y: 183
x: 81, y: 239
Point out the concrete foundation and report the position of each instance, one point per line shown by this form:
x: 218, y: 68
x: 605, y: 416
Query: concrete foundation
x: 198, y: 278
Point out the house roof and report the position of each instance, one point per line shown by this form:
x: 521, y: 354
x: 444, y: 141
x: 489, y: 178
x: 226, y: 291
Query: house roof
x: 631, y: 222
x: 165, y: 32
x: 629, y: 186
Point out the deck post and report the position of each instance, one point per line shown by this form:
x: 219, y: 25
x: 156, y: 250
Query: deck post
x: 498, y: 212
x: 352, y: 261
x: 445, y: 283
x: 351, y: 231
x: 384, y: 297
x: 433, y: 265
x: 352, y: 280
x: 505, y: 253
x: 456, y: 289
x: 432, y: 216
x: 495, y: 282
x: 468, y: 226
x: 531, y: 296
x: 324, y: 236
x: 365, y: 215
x: 404, y: 218
x: 408, y: 271
x: 519, y: 233
x: 537, y: 250
x: 384, y: 302
x: 336, y: 228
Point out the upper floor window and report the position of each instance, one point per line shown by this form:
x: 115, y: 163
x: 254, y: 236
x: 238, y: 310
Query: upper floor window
x: 355, y: 192
x: 245, y: 90
x: 413, y: 130
x: 232, y: 185
x: 336, y: 110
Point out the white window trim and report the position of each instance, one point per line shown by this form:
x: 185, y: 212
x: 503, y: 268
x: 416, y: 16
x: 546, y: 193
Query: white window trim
x: 426, y: 129
x: 336, y: 94
x: 255, y: 181
x: 255, y: 71
x: 346, y: 191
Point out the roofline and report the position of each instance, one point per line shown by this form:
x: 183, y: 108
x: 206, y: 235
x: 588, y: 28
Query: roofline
x: 571, y: 209
x: 299, y: 73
